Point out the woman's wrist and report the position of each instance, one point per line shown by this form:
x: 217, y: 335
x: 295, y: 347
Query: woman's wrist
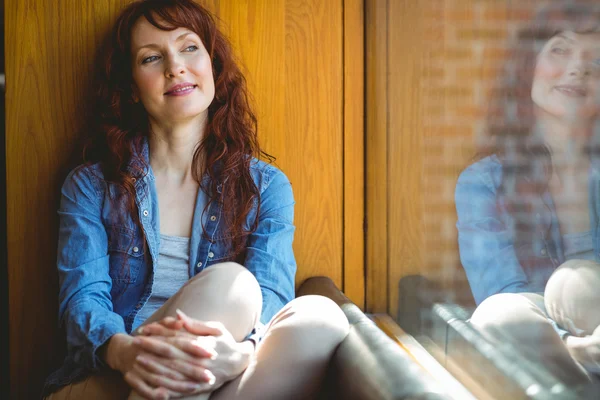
x: 113, y: 348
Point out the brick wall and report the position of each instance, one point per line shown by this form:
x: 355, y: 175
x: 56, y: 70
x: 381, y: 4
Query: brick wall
x: 467, y: 47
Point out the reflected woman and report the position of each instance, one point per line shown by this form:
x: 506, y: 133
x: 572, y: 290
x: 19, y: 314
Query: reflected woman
x: 529, y: 208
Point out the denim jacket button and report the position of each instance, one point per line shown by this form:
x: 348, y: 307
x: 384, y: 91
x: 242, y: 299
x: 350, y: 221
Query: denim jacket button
x: 543, y: 252
x: 211, y: 254
x: 145, y: 213
x: 199, y: 264
x: 135, y: 249
x: 213, y: 218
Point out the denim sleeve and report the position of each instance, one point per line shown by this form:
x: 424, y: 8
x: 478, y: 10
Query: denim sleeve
x: 270, y: 256
x: 85, y: 306
x: 485, y: 241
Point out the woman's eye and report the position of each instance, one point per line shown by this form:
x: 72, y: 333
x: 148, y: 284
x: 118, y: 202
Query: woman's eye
x: 559, y: 50
x: 149, y: 59
x: 191, y: 48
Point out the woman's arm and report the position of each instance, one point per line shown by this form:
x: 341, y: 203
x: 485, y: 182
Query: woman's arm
x: 96, y: 335
x: 486, y: 244
x: 270, y: 256
x: 85, y: 305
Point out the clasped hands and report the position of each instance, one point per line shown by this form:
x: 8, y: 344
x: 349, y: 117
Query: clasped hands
x: 585, y: 349
x: 177, y: 357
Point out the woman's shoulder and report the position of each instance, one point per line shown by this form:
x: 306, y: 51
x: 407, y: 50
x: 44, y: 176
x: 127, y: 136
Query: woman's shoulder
x: 85, y: 177
x: 266, y: 174
x: 486, y: 171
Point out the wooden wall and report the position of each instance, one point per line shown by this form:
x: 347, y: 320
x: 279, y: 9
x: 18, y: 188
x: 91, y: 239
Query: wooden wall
x: 304, y: 63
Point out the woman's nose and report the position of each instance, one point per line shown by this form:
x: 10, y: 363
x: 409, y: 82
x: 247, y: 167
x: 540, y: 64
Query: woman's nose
x: 174, y: 68
x: 579, y: 66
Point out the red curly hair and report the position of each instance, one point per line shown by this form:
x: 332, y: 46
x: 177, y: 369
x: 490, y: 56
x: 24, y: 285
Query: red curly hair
x: 230, y: 142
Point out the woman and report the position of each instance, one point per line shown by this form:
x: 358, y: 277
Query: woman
x: 532, y: 201
x: 154, y: 224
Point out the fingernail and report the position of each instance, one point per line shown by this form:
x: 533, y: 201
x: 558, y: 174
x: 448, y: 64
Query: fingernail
x: 137, y: 340
x: 211, y: 378
x: 180, y: 313
x: 140, y: 331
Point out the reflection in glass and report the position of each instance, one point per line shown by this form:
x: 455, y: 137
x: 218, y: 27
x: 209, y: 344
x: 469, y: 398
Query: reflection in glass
x: 529, y: 206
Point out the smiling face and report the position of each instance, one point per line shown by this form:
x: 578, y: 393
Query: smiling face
x: 566, y: 82
x: 172, y: 73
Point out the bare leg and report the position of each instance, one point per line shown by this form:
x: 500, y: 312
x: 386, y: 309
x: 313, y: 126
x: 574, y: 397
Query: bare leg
x: 572, y: 296
x: 291, y: 360
x: 289, y: 363
x: 225, y: 292
x: 522, y: 320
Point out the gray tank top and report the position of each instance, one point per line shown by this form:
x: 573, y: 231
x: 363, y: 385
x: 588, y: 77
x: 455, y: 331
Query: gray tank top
x: 170, y: 274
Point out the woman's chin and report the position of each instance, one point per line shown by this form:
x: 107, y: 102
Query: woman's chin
x: 577, y: 115
x: 182, y: 116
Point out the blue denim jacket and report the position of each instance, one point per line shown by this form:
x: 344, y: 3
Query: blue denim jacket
x: 492, y: 261
x: 99, y: 297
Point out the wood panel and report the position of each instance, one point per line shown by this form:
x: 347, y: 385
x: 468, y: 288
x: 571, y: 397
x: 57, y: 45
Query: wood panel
x: 354, y: 153
x: 293, y: 52
x: 395, y: 245
x: 47, y: 75
x: 404, y: 132
x: 312, y: 138
x: 376, y: 166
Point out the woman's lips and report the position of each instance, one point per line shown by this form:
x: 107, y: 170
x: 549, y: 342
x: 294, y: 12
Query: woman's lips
x: 183, y: 91
x: 572, y: 90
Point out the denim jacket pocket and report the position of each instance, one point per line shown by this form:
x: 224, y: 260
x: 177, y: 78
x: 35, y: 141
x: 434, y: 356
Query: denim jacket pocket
x: 221, y: 250
x: 126, y: 251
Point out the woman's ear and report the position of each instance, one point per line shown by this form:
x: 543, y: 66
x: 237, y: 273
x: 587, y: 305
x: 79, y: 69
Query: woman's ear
x: 134, y: 94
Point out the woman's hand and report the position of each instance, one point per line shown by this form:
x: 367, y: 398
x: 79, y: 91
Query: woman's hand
x: 229, y: 358
x: 148, y: 375
x: 585, y: 349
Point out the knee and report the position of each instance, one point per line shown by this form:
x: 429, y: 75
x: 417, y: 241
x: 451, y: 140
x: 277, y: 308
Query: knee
x: 575, y: 279
x: 505, y: 310
x: 231, y: 283
x: 572, y: 295
x: 314, y: 319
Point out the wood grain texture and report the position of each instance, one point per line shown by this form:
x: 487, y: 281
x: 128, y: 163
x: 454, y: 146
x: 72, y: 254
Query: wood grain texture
x: 404, y: 133
x: 293, y: 54
x: 311, y: 143
x: 395, y: 244
x: 376, y: 168
x: 354, y: 155
x: 47, y: 76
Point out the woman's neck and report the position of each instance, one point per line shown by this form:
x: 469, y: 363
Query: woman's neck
x: 567, y: 142
x: 172, y: 148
